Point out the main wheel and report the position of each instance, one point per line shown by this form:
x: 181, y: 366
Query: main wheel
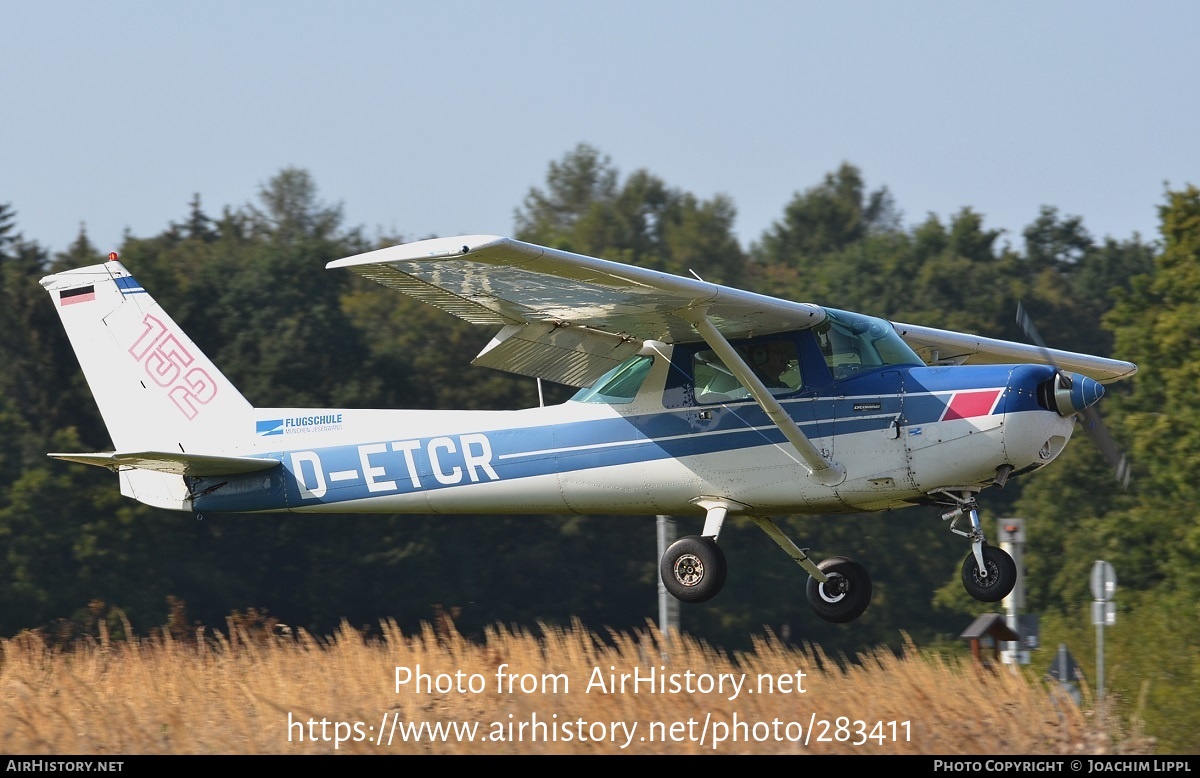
x: 693, y: 569
x: 845, y: 595
x: 1000, y: 579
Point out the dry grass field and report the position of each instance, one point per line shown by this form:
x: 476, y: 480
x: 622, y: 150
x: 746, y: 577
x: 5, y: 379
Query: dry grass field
x: 559, y: 691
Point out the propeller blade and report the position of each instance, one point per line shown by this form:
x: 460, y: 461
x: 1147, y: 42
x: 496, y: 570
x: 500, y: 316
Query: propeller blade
x: 1028, y: 327
x: 1089, y: 417
x: 1094, y: 428
x: 1025, y: 322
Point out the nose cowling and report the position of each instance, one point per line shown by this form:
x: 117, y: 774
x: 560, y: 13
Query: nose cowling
x: 1072, y: 393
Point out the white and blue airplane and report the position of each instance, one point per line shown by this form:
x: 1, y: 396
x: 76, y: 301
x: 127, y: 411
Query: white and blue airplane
x: 695, y: 399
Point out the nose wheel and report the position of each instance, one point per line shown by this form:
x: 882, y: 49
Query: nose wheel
x: 993, y: 581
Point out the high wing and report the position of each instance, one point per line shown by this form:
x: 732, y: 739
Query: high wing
x: 569, y: 318
x: 945, y: 347
x: 566, y: 317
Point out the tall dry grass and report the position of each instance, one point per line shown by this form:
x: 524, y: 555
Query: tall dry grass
x: 232, y: 693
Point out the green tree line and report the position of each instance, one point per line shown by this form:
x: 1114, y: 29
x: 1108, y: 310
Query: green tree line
x: 250, y: 287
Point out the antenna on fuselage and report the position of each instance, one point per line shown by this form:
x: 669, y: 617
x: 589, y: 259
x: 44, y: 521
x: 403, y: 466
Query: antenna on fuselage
x: 541, y: 397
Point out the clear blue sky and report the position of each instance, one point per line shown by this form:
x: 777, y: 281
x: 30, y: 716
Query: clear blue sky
x: 425, y: 118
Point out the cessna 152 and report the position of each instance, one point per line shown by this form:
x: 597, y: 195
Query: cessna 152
x: 696, y: 399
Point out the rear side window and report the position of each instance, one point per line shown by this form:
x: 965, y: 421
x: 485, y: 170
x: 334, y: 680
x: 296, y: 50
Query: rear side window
x: 619, y: 385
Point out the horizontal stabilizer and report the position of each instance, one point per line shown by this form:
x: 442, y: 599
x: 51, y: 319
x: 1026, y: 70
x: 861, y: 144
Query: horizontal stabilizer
x: 169, y: 462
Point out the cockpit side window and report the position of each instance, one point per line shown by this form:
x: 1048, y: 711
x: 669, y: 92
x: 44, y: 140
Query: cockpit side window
x: 775, y: 362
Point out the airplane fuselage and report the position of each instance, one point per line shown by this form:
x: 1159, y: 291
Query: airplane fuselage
x: 900, y: 432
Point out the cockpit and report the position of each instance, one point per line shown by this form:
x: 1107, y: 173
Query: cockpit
x: 787, y: 363
x: 852, y: 343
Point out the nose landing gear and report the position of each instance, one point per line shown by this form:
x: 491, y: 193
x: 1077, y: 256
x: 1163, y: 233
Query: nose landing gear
x: 988, y: 573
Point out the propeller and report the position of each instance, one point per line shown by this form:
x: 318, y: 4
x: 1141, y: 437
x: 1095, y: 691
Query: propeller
x: 1079, y: 396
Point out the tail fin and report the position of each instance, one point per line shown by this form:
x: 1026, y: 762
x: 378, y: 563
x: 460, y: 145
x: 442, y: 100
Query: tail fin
x: 160, y: 397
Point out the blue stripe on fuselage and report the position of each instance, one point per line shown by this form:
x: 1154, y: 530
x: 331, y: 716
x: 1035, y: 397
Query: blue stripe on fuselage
x: 394, y: 466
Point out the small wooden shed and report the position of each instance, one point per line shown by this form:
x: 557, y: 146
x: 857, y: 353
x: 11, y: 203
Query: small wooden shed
x: 988, y: 625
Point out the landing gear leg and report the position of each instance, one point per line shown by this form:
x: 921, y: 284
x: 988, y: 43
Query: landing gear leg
x: 988, y: 573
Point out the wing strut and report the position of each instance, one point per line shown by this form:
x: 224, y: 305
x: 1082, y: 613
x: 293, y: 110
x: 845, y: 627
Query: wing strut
x: 820, y: 469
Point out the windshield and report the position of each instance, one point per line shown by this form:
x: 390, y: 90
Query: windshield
x: 852, y: 343
x: 619, y: 385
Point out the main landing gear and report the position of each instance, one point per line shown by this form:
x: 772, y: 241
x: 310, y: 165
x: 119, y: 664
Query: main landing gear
x: 839, y: 589
x: 694, y: 569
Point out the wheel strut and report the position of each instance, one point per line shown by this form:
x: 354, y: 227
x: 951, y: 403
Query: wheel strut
x: 977, y: 539
x: 795, y: 552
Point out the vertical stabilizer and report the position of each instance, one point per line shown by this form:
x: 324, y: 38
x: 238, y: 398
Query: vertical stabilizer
x: 156, y: 390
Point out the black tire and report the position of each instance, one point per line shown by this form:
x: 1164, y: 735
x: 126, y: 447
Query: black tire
x: 845, y: 596
x: 693, y: 569
x: 1001, y: 575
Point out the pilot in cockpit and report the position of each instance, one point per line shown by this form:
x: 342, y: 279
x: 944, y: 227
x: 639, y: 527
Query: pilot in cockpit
x: 770, y: 361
